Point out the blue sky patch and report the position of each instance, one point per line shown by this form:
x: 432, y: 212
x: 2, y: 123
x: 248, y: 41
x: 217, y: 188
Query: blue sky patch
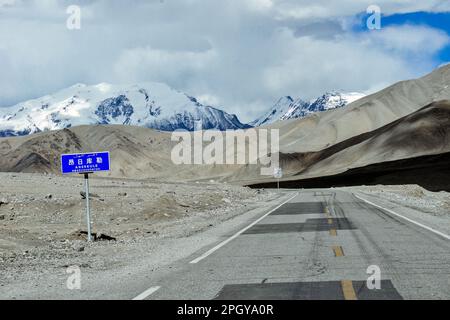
x: 439, y: 21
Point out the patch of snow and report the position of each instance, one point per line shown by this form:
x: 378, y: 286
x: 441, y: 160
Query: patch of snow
x: 288, y: 108
x: 153, y: 105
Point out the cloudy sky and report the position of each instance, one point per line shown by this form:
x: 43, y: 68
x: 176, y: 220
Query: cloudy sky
x: 240, y: 55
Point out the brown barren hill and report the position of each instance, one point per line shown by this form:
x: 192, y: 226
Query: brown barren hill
x: 409, y: 150
x: 384, y: 126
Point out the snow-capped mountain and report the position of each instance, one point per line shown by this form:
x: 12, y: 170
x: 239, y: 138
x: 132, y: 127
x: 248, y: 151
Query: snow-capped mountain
x: 288, y: 108
x: 153, y: 105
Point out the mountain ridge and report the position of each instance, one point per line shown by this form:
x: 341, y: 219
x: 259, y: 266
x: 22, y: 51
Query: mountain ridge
x: 150, y: 104
x: 289, y: 108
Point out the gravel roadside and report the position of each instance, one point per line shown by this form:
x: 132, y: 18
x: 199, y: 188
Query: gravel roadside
x: 414, y: 202
x: 153, y: 224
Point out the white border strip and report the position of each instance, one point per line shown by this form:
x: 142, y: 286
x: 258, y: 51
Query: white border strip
x: 220, y: 245
x: 146, y: 293
x: 445, y: 236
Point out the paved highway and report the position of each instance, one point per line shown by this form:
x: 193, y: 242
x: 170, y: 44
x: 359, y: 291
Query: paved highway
x: 317, y: 245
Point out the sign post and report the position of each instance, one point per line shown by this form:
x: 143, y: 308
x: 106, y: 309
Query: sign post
x: 88, y: 211
x: 278, y: 174
x: 85, y: 163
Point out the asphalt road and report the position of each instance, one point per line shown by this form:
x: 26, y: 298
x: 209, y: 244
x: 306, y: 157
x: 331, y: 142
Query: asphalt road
x: 318, y: 245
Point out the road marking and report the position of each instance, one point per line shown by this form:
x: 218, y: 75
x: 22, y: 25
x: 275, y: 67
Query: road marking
x: 347, y: 289
x: 446, y: 236
x: 333, y: 232
x: 147, y: 293
x: 220, y: 245
x: 338, y: 251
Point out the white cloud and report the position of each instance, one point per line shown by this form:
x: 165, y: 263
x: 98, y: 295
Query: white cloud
x: 353, y: 61
x: 7, y: 3
x: 260, y: 5
x: 301, y: 9
x: 208, y: 99
x: 409, y: 39
x: 240, y: 54
x: 320, y: 65
x: 161, y: 65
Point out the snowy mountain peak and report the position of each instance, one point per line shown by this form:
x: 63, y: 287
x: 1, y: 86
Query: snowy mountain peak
x: 153, y: 105
x: 289, y: 108
x: 335, y: 99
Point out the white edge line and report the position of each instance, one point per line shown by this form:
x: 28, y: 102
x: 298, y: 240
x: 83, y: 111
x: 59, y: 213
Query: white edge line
x: 405, y: 218
x: 146, y: 293
x: 207, y: 253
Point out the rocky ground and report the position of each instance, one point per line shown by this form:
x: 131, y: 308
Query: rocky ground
x: 42, y: 219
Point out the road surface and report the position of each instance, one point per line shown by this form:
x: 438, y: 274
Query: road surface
x: 318, y: 245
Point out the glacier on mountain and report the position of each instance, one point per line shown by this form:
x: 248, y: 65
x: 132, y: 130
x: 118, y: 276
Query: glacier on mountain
x: 152, y: 105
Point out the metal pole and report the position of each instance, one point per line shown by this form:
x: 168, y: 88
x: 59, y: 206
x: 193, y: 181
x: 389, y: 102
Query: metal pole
x: 88, y: 212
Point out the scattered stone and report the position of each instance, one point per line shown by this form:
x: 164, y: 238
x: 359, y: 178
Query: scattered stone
x: 2, y: 217
x: 97, y: 237
x: 105, y: 237
x: 49, y: 196
x: 122, y: 194
x: 91, y: 195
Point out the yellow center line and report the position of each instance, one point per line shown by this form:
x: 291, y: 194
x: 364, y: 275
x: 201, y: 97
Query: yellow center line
x: 348, y: 290
x: 338, y: 251
x: 333, y: 232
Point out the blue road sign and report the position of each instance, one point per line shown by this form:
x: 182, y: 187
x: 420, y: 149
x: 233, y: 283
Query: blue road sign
x: 85, y: 162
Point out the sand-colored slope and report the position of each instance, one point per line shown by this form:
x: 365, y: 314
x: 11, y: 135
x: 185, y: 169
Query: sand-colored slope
x: 422, y: 133
x: 367, y: 114
x: 136, y: 152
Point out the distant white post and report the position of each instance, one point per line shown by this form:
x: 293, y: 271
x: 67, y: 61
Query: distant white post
x: 278, y: 174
